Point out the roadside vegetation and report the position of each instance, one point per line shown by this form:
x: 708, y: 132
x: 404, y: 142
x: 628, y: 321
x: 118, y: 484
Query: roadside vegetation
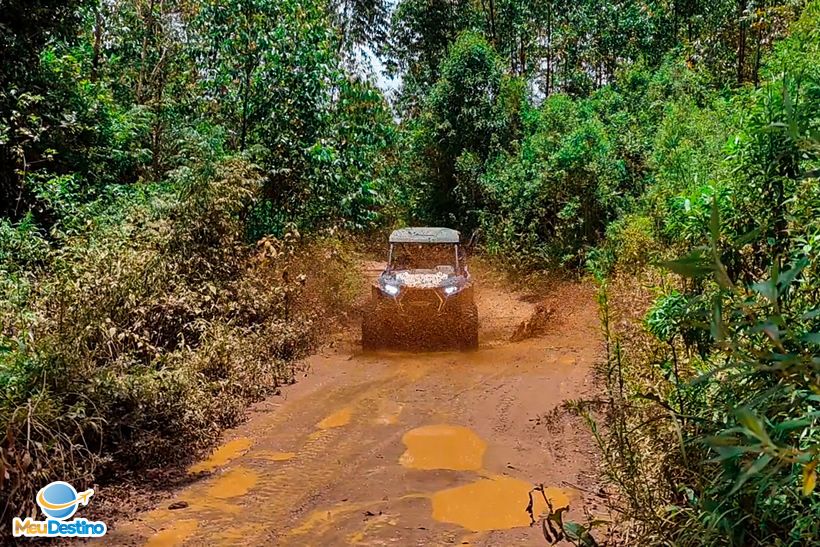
x: 672, y: 152
x: 176, y: 175
x: 176, y: 179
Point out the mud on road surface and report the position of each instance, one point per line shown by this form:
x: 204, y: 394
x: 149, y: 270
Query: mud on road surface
x: 398, y: 448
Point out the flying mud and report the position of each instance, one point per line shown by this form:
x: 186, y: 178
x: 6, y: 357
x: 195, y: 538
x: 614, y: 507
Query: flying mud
x: 389, y: 447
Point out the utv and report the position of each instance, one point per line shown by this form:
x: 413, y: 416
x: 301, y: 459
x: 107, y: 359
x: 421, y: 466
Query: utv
x: 425, y: 295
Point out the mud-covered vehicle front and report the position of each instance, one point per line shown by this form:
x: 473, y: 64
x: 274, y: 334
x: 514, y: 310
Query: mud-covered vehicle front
x: 424, y: 297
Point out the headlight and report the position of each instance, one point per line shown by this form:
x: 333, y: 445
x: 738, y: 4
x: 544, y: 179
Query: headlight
x: 451, y: 290
x: 392, y: 290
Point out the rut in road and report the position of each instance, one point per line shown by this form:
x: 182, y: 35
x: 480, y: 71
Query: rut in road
x: 405, y: 448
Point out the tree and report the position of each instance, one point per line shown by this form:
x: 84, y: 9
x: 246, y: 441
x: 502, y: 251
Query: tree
x: 421, y: 34
x: 26, y: 27
x: 467, y: 122
x: 361, y: 23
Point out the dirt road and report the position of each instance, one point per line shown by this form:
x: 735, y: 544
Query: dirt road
x: 403, y: 448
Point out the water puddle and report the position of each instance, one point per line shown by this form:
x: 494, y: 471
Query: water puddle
x: 234, y: 483
x: 222, y: 455
x: 180, y: 531
x: 320, y: 521
x: 337, y: 419
x: 443, y: 447
x: 497, y: 503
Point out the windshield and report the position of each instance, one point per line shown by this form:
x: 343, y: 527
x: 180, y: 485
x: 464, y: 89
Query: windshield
x: 423, y: 256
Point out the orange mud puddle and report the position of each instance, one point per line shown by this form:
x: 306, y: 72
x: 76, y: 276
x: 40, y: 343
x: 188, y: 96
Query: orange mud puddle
x: 236, y: 482
x: 394, y: 448
x: 443, y: 447
x: 222, y: 455
x: 174, y: 535
x: 337, y: 419
x: 495, y: 503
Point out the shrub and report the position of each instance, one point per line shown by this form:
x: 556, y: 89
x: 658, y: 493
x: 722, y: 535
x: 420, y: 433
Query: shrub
x: 136, y: 340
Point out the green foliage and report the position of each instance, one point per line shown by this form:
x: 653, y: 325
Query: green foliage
x: 739, y: 329
x: 361, y: 22
x: 421, y: 33
x: 146, y: 146
x: 554, y: 197
x: 131, y: 341
x: 634, y: 240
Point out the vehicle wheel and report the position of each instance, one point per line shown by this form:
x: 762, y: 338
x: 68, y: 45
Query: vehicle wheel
x: 468, y: 339
x: 372, y: 337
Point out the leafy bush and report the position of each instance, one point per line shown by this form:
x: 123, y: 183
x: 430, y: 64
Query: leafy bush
x: 135, y: 340
x: 714, y: 393
x: 551, y: 201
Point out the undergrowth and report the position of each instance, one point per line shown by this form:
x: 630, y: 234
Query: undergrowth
x: 709, y: 298
x: 132, y: 336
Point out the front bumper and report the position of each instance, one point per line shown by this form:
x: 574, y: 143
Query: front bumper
x: 415, y: 304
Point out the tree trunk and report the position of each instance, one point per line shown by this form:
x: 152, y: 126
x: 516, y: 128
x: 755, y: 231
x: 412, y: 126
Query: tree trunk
x: 549, y: 48
x: 95, y: 60
x: 741, y: 41
x: 492, y: 23
x: 148, y: 24
x: 246, y: 97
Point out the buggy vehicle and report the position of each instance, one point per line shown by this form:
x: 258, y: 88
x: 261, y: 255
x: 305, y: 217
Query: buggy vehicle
x: 424, y: 297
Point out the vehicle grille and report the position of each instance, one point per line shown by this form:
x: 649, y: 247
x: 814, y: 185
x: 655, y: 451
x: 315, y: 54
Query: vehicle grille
x: 420, y: 298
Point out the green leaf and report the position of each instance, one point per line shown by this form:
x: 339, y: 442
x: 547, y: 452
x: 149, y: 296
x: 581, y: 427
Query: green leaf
x: 786, y: 278
x: 747, y: 238
x: 771, y: 331
x: 753, y: 424
x: 767, y: 289
x: 717, y: 327
x: 579, y: 534
x: 811, y: 314
x: 756, y: 467
x: 694, y: 265
x: 811, y: 338
x: 791, y: 119
x: 714, y: 223
x: 728, y: 452
x: 788, y: 425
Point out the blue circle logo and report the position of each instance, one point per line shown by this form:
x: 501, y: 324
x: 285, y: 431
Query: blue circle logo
x: 59, y: 500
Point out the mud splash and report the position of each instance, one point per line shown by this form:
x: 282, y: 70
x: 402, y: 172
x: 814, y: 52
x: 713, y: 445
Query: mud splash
x: 222, y: 455
x: 443, y: 447
x: 495, y: 503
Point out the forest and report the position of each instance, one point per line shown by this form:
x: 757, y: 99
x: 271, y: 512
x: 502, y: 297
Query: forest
x: 168, y: 168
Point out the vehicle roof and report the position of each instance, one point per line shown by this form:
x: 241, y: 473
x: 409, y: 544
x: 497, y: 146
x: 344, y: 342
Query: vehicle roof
x: 424, y: 235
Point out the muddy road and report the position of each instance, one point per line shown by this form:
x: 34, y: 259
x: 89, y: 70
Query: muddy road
x: 405, y: 448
